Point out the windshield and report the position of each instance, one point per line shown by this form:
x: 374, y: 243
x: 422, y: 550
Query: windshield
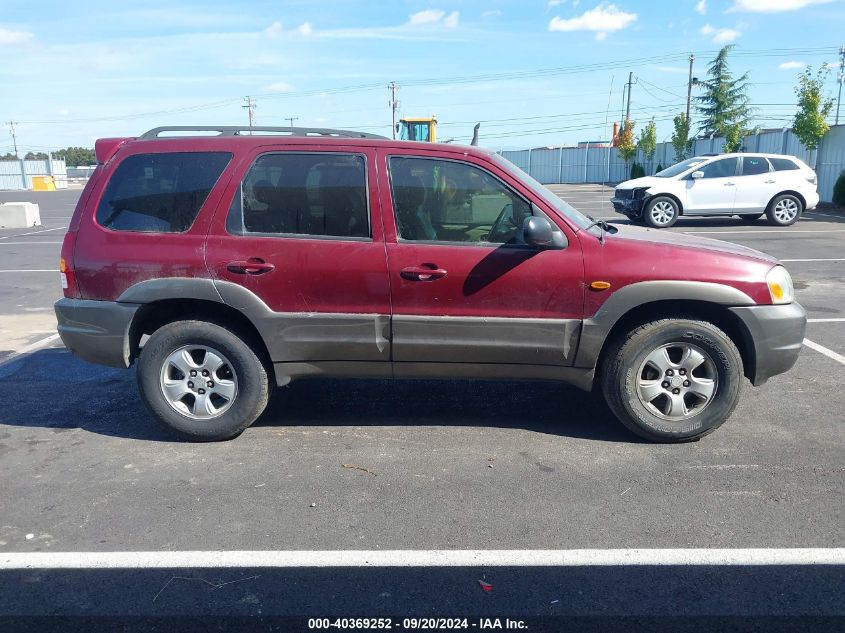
x: 581, y: 220
x: 680, y: 168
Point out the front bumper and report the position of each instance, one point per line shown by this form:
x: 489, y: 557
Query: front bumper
x: 632, y: 207
x: 96, y: 331
x: 775, y: 334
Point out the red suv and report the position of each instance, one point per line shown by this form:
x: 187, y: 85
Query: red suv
x: 238, y: 258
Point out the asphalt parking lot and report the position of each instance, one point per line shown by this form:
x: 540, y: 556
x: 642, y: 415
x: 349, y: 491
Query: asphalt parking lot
x: 377, y: 466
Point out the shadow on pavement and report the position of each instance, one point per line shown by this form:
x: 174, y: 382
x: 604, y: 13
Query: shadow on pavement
x: 53, y: 389
x: 715, y: 598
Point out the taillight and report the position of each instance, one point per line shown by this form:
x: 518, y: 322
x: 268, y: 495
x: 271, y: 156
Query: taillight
x: 67, y: 276
x: 812, y: 179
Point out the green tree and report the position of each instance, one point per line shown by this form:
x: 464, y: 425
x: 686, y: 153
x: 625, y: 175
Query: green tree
x: 648, y: 141
x: 839, y: 190
x: 681, y: 141
x: 810, y: 123
x: 724, y: 105
x: 35, y: 156
x: 625, y: 142
x: 76, y: 156
x: 8, y: 156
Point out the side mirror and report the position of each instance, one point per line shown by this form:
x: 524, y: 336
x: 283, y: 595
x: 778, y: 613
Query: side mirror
x: 537, y: 231
x: 696, y: 175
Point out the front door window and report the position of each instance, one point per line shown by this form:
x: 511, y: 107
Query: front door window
x: 448, y: 201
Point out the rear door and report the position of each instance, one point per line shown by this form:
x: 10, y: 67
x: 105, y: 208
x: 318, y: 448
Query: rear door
x: 716, y: 191
x: 464, y: 289
x: 301, y: 230
x: 756, y: 185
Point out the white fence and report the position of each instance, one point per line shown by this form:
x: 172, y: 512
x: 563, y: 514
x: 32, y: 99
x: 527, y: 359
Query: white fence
x: 592, y: 163
x: 17, y: 174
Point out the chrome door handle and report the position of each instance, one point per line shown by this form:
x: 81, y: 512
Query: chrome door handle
x: 730, y: 184
x: 770, y: 182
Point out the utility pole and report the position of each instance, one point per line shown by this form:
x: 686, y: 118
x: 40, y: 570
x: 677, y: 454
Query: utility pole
x: 841, y: 81
x: 291, y: 119
x: 628, y: 109
x: 394, y: 106
x: 250, y: 108
x: 689, y: 84
x: 622, y: 114
x: 11, y: 125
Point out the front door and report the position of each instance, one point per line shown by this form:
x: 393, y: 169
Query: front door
x: 303, y: 233
x: 464, y: 288
x: 716, y: 191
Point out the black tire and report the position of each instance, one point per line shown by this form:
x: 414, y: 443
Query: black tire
x: 627, y: 356
x: 779, y: 217
x: 750, y: 217
x: 658, y: 207
x: 251, y: 381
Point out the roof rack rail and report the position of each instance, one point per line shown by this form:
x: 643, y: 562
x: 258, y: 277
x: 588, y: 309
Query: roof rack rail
x: 234, y: 130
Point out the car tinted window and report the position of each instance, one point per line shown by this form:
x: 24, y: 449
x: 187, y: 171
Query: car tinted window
x: 317, y: 194
x: 753, y: 165
x: 723, y: 168
x: 451, y: 201
x: 783, y: 164
x: 159, y: 192
x: 679, y: 168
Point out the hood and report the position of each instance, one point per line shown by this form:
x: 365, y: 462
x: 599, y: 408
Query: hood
x: 645, y: 181
x: 667, y: 238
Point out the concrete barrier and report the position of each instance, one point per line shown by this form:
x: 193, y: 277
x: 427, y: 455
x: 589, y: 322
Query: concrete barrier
x: 19, y: 215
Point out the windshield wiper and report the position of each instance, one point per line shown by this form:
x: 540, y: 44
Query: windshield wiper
x: 604, y: 226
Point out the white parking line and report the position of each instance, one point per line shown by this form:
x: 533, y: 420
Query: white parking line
x: 26, y: 243
x: 769, y: 231
x: 31, y: 270
x: 832, y: 259
x: 44, y: 342
x: 420, y: 558
x: 823, y: 350
x: 58, y: 228
x: 825, y: 320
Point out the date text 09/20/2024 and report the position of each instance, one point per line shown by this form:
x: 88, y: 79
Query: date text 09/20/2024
x: 415, y: 623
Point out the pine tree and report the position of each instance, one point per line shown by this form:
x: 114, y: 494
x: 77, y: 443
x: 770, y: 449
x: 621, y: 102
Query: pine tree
x: 724, y: 106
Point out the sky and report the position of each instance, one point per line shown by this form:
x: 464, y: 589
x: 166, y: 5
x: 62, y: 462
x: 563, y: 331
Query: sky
x: 535, y: 73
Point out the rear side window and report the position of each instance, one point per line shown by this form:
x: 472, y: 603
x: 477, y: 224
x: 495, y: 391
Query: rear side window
x: 783, y: 164
x: 314, y: 194
x: 754, y: 165
x: 159, y: 193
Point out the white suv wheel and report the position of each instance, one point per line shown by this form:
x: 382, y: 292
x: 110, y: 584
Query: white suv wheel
x: 661, y: 212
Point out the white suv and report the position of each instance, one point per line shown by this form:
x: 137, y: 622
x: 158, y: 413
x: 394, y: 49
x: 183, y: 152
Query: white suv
x: 747, y: 185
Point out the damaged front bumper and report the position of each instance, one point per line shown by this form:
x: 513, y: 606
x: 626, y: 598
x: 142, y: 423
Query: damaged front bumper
x: 630, y: 202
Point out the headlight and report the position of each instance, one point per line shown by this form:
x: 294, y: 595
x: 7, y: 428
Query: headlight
x: 780, y: 285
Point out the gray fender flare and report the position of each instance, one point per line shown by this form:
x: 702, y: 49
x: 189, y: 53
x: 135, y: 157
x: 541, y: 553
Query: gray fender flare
x: 596, y: 329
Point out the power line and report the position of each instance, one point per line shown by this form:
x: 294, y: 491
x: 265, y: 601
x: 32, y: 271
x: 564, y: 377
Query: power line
x: 501, y: 76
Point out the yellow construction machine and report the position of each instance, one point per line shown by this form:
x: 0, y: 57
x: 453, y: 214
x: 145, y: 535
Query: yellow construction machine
x: 425, y: 129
